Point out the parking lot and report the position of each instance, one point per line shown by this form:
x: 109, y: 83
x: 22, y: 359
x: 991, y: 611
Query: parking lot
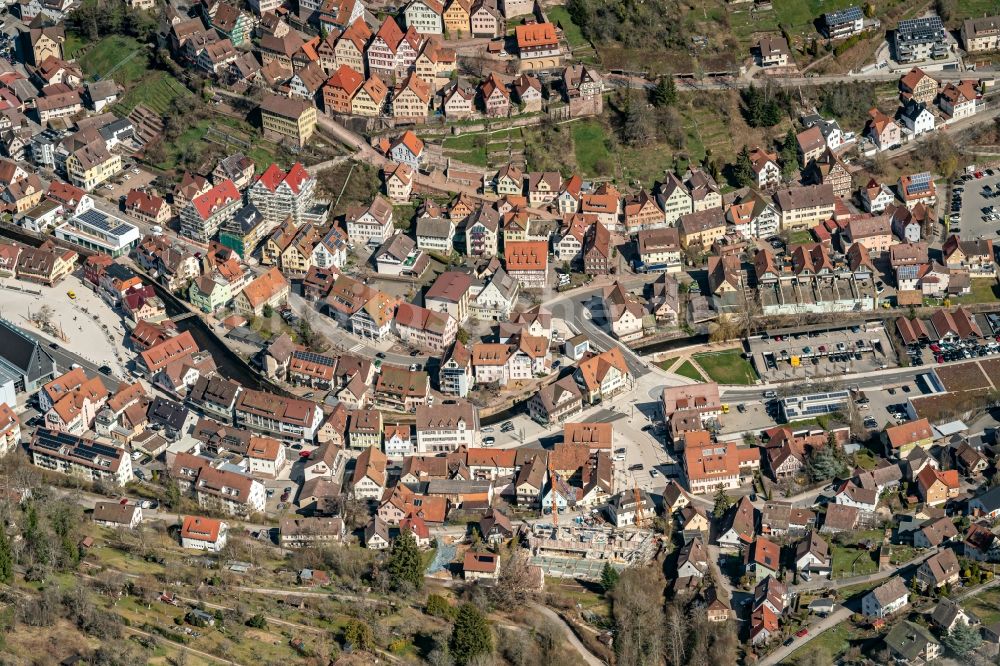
x: 947, y: 352
x: 974, y: 203
x: 815, y: 352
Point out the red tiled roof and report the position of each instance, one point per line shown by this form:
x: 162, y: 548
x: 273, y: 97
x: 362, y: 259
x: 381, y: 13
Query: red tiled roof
x: 221, y: 195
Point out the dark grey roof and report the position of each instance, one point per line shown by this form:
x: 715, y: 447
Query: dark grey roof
x: 22, y: 353
x: 909, y: 640
x: 246, y: 218
x: 990, y: 499
x: 167, y: 413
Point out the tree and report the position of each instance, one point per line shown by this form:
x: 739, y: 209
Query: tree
x: 462, y: 336
x: 962, y: 639
x: 637, y: 612
x: 869, y: 10
x: 514, y: 578
x: 471, y: 635
x: 675, y: 633
x: 258, y: 621
x: 761, y: 107
x: 404, y: 564
x: 722, y: 503
x: 665, y: 92
x: 827, y: 462
x: 743, y: 169
x: 360, y: 635
x: 267, y: 311
x: 609, y: 576
x: 789, y: 154
x: 438, y: 606
x: 6, y: 561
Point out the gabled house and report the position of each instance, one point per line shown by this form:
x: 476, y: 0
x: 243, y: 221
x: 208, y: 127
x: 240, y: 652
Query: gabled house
x: 938, y: 570
x: 812, y: 555
x: 886, y: 599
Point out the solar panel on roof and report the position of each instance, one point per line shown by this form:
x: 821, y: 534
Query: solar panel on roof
x: 105, y: 223
x: 844, y: 16
x: 311, y: 357
x: 920, y: 182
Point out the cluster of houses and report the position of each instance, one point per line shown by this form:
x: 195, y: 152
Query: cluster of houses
x: 400, y: 66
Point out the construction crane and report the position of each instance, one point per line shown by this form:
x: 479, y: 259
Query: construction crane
x: 638, y: 502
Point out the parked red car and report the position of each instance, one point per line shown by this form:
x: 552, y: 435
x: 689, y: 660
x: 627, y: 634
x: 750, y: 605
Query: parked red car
x: 801, y: 632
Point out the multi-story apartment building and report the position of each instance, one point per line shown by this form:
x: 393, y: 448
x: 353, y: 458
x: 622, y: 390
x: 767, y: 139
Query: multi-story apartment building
x: 92, y: 164
x: 370, y: 224
x: 803, y: 207
x: 286, y: 419
x: 920, y: 39
x: 447, y: 426
x: 673, y: 198
x: 222, y: 490
x: 425, y: 328
x: 206, y: 213
x: 279, y: 195
x: 83, y: 458
x: 287, y: 118
x: 425, y: 16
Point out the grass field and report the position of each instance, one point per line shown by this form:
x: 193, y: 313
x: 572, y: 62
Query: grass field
x: 123, y: 58
x: 667, y: 363
x: 73, y: 43
x: 687, y: 369
x: 156, y: 92
x: 194, y: 137
x: 973, y: 8
x: 986, y: 606
x: 850, y: 561
x: 832, y: 643
x: 983, y: 291
x: 464, y: 148
x: 727, y: 367
x: 560, y: 17
x: 589, y: 146
x: 799, y: 236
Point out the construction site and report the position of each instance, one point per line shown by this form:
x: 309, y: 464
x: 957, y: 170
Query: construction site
x: 577, y: 551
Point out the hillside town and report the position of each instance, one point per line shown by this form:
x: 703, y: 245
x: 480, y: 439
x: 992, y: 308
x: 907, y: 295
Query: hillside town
x: 304, y: 358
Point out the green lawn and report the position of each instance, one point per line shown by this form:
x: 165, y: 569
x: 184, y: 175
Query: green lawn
x: 850, y: 561
x: 986, y: 606
x: 973, y: 9
x: 464, y: 148
x: 800, y: 236
x: 667, y: 363
x: 123, y: 58
x: 688, y: 370
x: 983, y: 291
x: 727, y: 367
x: 801, y: 13
x: 263, y: 153
x: 560, y: 17
x: 832, y: 642
x: 73, y: 43
x: 589, y: 146
x: 156, y: 92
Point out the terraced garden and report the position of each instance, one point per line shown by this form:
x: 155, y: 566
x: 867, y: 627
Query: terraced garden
x: 156, y: 91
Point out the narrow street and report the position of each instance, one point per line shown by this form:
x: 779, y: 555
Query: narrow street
x: 841, y: 614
